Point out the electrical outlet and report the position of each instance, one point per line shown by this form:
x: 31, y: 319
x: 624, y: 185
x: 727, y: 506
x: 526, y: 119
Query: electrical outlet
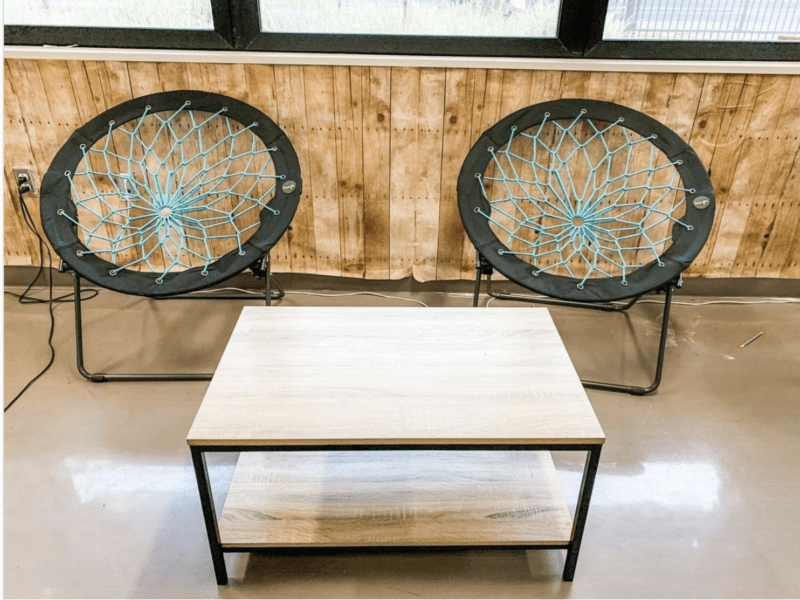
x: 24, y: 176
x: 122, y: 181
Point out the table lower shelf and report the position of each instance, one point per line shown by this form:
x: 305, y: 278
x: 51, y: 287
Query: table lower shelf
x: 394, y: 498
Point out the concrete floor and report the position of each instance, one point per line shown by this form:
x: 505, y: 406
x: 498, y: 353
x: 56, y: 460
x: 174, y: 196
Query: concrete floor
x: 697, y: 494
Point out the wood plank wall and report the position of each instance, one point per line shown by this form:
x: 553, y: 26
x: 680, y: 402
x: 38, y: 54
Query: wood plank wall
x: 380, y: 149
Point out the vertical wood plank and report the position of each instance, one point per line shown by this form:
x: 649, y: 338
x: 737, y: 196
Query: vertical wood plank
x: 376, y: 132
x: 782, y: 253
x: 735, y: 119
x: 261, y: 89
x: 117, y: 80
x: 231, y: 80
x: 88, y: 99
x: 174, y: 76
x: 703, y: 139
x: 405, y: 164
x: 486, y: 112
x: 516, y: 96
x: 291, y: 110
x: 769, y: 229
x: 657, y: 93
x: 545, y: 86
x: 348, y: 109
x: 683, y: 103
x: 16, y: 250
x: 631, y: 88
x: 19, y: 246
x: 35, y: 113
x: 574, y: 84
x: 459, y: 92
x: 66, y: 117
x: 427, y: 198
x: 144, y: 78
x: 748, y: 174
x: 516, y: 91
x: 603, y: 86
x: 205, y: 76
x: 791, y: 266
x: 197, y: 76
x: 322, y: 167
x: 65, y: 112
x: 257, y: 88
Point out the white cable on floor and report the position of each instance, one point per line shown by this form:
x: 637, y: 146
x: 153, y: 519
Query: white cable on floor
x: 491, y: 299
x: 358, y: 294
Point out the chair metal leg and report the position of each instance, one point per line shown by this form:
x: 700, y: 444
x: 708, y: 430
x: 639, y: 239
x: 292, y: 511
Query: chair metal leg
x: 483, y: 268
x: 260, y: 270
x: 265, y: 266
x: 102, y: 377
x: 662, y: 346
x: 477, y: 293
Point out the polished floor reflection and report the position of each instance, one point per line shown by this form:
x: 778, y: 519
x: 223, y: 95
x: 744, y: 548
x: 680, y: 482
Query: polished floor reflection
x: 696, y: 496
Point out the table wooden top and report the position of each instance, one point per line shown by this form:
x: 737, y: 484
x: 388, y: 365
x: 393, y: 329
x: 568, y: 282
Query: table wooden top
x: 338, y: 376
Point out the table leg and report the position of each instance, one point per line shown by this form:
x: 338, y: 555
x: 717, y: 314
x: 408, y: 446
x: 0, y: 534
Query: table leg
x: 209, y: 514
x: 582, y: 509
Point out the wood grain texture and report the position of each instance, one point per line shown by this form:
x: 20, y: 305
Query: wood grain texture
x: 460, y: 88
x: 405, y: 163
x: 394, y: 499
x: 291, y: 117
x: 395, y: 375
x: 348, y: 110
x: 402, y: 133
x: 376, y: 129
x: 322, y: 168
x: 261, y: 91
x: 428, y: 181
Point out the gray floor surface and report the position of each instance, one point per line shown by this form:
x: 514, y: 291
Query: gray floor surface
x: 697, y: 493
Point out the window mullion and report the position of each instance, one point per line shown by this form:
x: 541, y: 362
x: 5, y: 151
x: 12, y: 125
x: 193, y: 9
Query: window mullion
x: 580, y: 25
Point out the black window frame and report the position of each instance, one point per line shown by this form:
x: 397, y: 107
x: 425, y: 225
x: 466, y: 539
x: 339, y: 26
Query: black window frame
x: 219, y: 38
x: 237, y: 26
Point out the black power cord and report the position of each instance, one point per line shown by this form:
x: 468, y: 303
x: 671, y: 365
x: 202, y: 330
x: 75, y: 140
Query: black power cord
x: 24, y: 187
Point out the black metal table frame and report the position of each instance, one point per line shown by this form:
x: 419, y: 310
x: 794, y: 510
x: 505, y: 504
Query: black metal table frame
x: 212, y: 526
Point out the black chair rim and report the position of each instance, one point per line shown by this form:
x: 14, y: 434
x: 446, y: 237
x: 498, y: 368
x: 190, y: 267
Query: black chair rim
x: 56, y: 196
x: 686, y: 242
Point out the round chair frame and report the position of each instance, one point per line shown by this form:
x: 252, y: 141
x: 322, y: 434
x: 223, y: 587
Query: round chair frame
x: 687, y: 236
x: 59, y: 213
x: 60, y: 216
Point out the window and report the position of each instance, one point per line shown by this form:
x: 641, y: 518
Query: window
x: 174, y: 14
x: 119, y: 23
x: 704, y: 20
x: 478, y: 18
x: 627, y: 29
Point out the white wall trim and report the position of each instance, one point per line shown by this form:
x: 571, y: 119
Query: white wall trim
x: 380, y: 60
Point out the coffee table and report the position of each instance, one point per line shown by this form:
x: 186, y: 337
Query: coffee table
x: 394, y: 427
